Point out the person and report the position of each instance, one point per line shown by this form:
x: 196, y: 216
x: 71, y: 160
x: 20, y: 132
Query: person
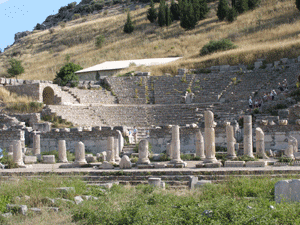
x: 250, y: 103
x: 130, y: 137
x: 256, y: 103
x: 259, y: 102
x: 272, y: 95
x: 265, y: 97
x: 284, y: 84
x: 280, y: 88
x: 135, y: 134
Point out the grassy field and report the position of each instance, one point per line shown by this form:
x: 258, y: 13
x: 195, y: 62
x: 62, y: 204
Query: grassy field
x: 235, y: 201
x: 270, y: 31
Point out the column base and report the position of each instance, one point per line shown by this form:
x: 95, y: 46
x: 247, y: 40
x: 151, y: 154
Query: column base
x: 143, y: 162
x: 210, y: 160
x: 178, y: 163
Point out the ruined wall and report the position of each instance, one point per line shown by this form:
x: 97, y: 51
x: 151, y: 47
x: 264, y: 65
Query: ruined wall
x: 8, y: 136
x: 95, y: 140
x: 31, y: 90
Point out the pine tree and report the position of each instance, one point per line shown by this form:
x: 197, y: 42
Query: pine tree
x: 252, y: 4
x: 298, y: 4
x: 241, y: 6
x: 128, y: 27
x: 196, y: 8
x: 168, y: 16
x: 222, y: 9
x: 232, y: 3
x: 187, y: 16
x: 152, y: 14
x: 203, y: 9
x: 162, y: 13
x: 231, y: 15
x: 175, y: 11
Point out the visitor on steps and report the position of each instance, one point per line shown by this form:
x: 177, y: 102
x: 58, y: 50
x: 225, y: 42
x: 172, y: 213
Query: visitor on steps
x: 135, y: 134
x: 250, y: 103
x: 130, y: 138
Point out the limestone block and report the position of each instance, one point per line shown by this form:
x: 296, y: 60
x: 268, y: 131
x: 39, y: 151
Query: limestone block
x: 30, y: 159
x: 287, y: 191
x: 78, y: 200
x: 80, y: 154
x: 106, y: 165
x: 90, y: 158
x: 276, y: 63
x: 65, y: 190
x: 145, y: 166
x: 272, y: 123
x: 21, y: 209
x: 50, y: 159
x: 156, y: 182
x: 62, y: 151
x: 257, y: 65
x: 224, y: 68
x: 125, y: 163
x: 234, y: 164
x: 283, y: 122
x: 143, y: 153
x: 160, y: 165
x: 195, y: 183
x: 201, y: 183
x: 36, y: 210
x: 213, y: 165
x: 264, y: 122
x: 284, y: 60
x: 256, y: 164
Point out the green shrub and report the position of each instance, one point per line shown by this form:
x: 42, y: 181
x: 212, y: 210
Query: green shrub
x: 231, y: 15
x: 16, y: 67
x: 7, y: 160
x: 100, y: 39
x: 256, y: 111
x: 214, y: 46
x: 76, y: 16
x: 285, y: 159
x: 62, y: 24
x: 67, y: 74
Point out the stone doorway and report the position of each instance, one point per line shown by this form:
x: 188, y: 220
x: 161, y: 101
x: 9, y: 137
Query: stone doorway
x: 48, y: 96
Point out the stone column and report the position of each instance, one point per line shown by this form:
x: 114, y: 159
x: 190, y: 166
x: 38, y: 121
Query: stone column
x: 110, y: 150
x: 62, y: 151
x: 294, y: 142
x: 289, y: 151
x: 200, y: 145
x: 36, y: 144
x: 209, y: 143
x: 260, y: 143
x: 17, y: 154
x: 230, y: 141
x: 80, y: 154
x: 248, y: 146
x: 175, y: 146
x: 143, y: 153
x: 121, y: 141
x: 116, y: 147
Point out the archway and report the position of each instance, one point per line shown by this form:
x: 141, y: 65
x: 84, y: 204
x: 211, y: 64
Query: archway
x: 48, y: 96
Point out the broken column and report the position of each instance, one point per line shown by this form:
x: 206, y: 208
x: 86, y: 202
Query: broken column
x: 80, y: 154
x: 294, y: 142
x: 17, y: 154
x: 260, y: 143
x: 116, y: 151
x: 248, y: 146
x: 200, y: 145
x: 110, y: 150
x: 62, y: 151
x: 209, y: 144
x: 175, y: 147
x: 230, y: 141
x: 120, y: 140
x: 143, y: 153
x: 36, y: 144
x: 289, y: 151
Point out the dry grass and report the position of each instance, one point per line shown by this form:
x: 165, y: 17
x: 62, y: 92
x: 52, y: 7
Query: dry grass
x: 8, y: 97
x: 271, y: 31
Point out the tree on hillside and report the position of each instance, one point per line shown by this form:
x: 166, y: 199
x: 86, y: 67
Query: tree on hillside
x: 298, y: 4
x: 241, y: 6
x: 231, y: 15
x: 252, y: 4
x: 152, y: 14
x: 232, y: 3
x: 128, y: 27
x: 222, y: 9
x: 175, y: 11
x: 168, y: 16
x: 187, y: 16
x: 162, y: 13
x: 16, y: 67
x: 67, y: 74
x: 203, y: 9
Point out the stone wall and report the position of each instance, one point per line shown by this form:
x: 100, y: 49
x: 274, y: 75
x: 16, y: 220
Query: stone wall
x: 95, y: 140
x: 30, y: 118
x: 8, y: 136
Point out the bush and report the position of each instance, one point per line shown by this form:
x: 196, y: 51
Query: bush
x: 67, y: 74
x: 214, y: 46
x: 231, y: 15
x: 62, y: 24
x: 76, y: 16
x: 16, y: 67
x: 222, y: 9
x: 31, y: 107
x: 252, y: 4
x: 99, y: 41
x: 175, y: 11
x: 128, y: 27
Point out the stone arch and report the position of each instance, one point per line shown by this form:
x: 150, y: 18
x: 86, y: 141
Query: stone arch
x: 48, y: 96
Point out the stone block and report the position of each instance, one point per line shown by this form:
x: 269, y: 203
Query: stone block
x: 283, y: 113
x: 213, y: 165
x: 256, y: 164
x: 201, y: 183
x: 192, y: 181
x: 49, y: 159
x: 284, y: 60
x: 90, y: 158
x: 125, y: 163
x: 160, y: 165
x: 109, y: 184
x: 257, y: 65
x: 106, y: 165
x: 283, y: 122
x: 200, y: 165
x: 65, y: 189
x: 145, y: 166
x: 287, y: 191
x: 156, y: 182
x: 36, y: 210
x: 234, y: 164
x: 276, y: 63
x: 30, y: 159
x: 21, y: 209
x: 78, y: 200
x: 224, y: 68
x: 281, y: 164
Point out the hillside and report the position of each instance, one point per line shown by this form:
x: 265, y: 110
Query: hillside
x: 271, y: 31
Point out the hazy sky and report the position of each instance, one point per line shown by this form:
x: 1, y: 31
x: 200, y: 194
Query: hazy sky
x: 21, y: 15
